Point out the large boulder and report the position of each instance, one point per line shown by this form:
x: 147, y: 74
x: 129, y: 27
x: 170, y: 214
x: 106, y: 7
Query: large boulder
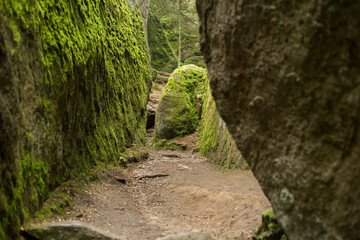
x: 285, y: 78
x: 176, y: 114
x: 69, y: 230
x: 187, y: 236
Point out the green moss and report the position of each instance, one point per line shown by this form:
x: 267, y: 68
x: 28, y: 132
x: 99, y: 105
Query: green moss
x: 133, y: 155
x: 93, y: 93
x: 57, y: 202
x: 216, y: 142
x: 269, y: 228
x: 165, y: 144
x: 177, y: 111
x: 156, y: 87
x: 25, y: 193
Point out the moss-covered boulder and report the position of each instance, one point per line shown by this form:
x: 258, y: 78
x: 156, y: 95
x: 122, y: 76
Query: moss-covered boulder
x: 177, y: 112
x: 269, y: 228
x: 216, y: 142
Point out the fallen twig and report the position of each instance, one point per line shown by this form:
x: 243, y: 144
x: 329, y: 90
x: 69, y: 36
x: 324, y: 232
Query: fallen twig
x: 153, y: 176
x: 171, y: 155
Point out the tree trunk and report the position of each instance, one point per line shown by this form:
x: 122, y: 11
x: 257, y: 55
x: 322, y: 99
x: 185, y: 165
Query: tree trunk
x: 179, y: 58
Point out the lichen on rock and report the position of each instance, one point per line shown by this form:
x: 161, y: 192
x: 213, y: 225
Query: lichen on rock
x: 177, y: 111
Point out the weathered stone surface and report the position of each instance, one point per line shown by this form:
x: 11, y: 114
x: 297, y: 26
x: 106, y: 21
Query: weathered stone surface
x: 176, y: 114
x: 71, y: 230
x: 286, y: 79
x: 216, y: 143
x: 187, y: 236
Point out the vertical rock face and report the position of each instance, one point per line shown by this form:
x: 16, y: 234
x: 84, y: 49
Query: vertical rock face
x: 73, y: 92
x: 216, y: 143
x: 286, y: 79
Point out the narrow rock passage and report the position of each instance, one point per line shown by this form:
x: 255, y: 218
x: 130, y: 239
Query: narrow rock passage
x: 171, y: 192
x: 174, y: 191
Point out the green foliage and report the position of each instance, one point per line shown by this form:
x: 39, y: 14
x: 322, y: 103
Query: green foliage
x: 216, y: 142
x: 196, y: 60
x: 163, y: 31
x: 93, y: 93
x: 177, y: 111
x: 160, y: 49
x: 269, y: 228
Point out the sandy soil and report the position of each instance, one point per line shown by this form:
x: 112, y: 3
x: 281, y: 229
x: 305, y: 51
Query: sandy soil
x: 174, y: 191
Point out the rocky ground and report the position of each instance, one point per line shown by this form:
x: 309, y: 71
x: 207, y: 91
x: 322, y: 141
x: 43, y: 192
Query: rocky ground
x: 172, y: 191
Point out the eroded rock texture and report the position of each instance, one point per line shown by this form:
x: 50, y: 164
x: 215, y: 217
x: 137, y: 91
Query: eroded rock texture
x: 73, y: 93
x: 286, y: 79
x: 216, y: 143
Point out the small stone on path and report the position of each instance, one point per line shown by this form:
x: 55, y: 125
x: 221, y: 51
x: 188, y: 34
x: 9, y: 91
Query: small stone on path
x: 187, y: 236
x: 70, y: 230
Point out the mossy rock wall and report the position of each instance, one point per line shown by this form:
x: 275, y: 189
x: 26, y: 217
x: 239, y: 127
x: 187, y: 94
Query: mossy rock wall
x: 177, y: 113
x: 73, y: 93
x: 216, y: 143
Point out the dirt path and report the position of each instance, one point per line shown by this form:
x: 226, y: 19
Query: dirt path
x: 174, y: 191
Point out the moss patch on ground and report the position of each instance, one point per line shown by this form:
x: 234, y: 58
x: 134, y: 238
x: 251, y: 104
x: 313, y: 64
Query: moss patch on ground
x: 216, y: 143
x: 177, y: 113
x: 269, y: 228
x: 165, y: 144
